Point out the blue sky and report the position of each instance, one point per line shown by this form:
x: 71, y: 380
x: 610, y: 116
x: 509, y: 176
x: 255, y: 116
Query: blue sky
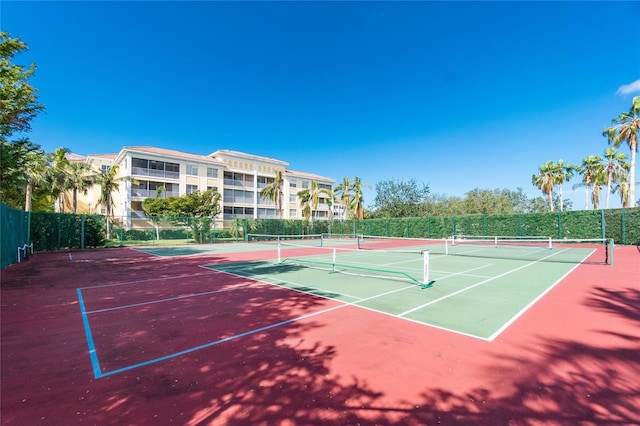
x: 456, y: 95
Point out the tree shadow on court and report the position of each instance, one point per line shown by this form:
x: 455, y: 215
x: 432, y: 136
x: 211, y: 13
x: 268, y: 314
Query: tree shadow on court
x: 570, y: 383
x: 279, y: 376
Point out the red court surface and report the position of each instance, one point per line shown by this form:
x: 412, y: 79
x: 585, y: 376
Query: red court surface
x: 572, y: 359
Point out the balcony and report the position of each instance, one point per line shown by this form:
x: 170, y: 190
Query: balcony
x: 238, y: 183
x: 140, y: 171
x: 152, y: 193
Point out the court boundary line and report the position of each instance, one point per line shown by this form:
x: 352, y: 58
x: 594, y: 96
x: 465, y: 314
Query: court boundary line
x: 168, y: 299
x: 462, y: 290
x: 340, y: 304
x: 96, y: 364
x: 355, y: 303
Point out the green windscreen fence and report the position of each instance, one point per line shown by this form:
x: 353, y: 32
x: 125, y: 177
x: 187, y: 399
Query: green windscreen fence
x: 14, y: 233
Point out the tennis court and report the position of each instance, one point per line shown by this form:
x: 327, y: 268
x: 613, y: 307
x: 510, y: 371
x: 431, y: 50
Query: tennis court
x: 320, y: 330
x: 476, y: 288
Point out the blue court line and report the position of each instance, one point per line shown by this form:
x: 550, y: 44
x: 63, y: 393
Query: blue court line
x: 87, y: 329
x: 210, y: 344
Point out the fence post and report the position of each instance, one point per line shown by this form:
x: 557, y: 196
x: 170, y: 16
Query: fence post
x: 484, y: 225
x: 602, y: 224
x: 559, y: 226
x: 82, y: 232
x: 453, y: 219
x: 624, y: 228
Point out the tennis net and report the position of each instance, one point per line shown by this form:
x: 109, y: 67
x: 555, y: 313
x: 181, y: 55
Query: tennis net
x: 542, y: 249
x: 313, y: 240
x: 412, y: 267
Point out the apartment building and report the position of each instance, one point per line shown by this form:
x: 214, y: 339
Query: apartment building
x: 239, y: 177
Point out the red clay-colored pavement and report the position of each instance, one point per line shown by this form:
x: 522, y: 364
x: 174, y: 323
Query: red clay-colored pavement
x: 572, y: 359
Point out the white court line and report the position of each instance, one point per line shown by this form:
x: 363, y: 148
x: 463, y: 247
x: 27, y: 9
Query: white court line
x: 265, y: 279
x: 477, y: 284
x: 168, y: 299
x: 210, y: 271
x: 319, y: 295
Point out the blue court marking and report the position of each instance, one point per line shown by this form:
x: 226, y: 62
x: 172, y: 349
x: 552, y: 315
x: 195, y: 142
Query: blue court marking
x: 87, y: 329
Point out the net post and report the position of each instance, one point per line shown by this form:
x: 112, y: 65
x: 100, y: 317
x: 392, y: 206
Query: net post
x: 610, y: 245
x: 18, y: 254
x: 495, y: 241
x: 446, y: 246
x: 333, y: 265
x: 425, y: 256
x: 550, y: 243
x: 279, y: 255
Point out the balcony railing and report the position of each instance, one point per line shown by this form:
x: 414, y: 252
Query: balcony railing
x: 141, y: 171
x: 152, y: 193
x: 238, y: 183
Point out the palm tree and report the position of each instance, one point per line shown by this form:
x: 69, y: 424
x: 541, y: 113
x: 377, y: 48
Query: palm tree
x: 563, y: 173
x: 310, y: 198
x: 357, y: 203
x: 58, y: 176
x: 625, y: 128
x: 342, y: 192
x: 304, y: 197
x: 614, y: 166
x: 273, y: 191
x: 600, y: 179
x: 593, y: 174
x: 623, y: 186
x: 35, y: 174
x: 78, y: 179
x: 109, y: 183
x: 545, y: 180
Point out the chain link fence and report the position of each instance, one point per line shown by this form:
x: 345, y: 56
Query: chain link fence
x: 58, y: 231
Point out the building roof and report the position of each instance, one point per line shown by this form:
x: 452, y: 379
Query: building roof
x: 75, y: 158
x: 226, y: 152
x: 309, y: 176
x: 105, y: 156
x: 170, y: 153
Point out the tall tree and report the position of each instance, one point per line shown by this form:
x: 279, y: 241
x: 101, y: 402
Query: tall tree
x: 273, y: 191
x: 357, y: 204
x: 109, y: 182
x: 623, y: 187
x: 79, y: 178
x: 18, y: 107
x: 593, y: 176
x: 59, y: 176
x: 563, y: 173
x: 342, y: 193
x: 35, y: 174
x: 545, y: 180
x: 399, y: 198
x: 625, y: 128
x: 18, y: 99
x: 615, y: 166
x: 310, y: 199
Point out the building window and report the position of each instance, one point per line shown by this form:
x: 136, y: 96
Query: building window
x: 215, y: 188
x: 293, y: 213
x: 192, y: 170
x: 212, y: 172
x: 305, y: 184
x: 293, y: 184
x: 105, y: 168
x: 191, y: 188
x: 293, y: 198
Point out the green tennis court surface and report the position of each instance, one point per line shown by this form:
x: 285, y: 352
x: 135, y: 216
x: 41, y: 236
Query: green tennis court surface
x: 475, y: 296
